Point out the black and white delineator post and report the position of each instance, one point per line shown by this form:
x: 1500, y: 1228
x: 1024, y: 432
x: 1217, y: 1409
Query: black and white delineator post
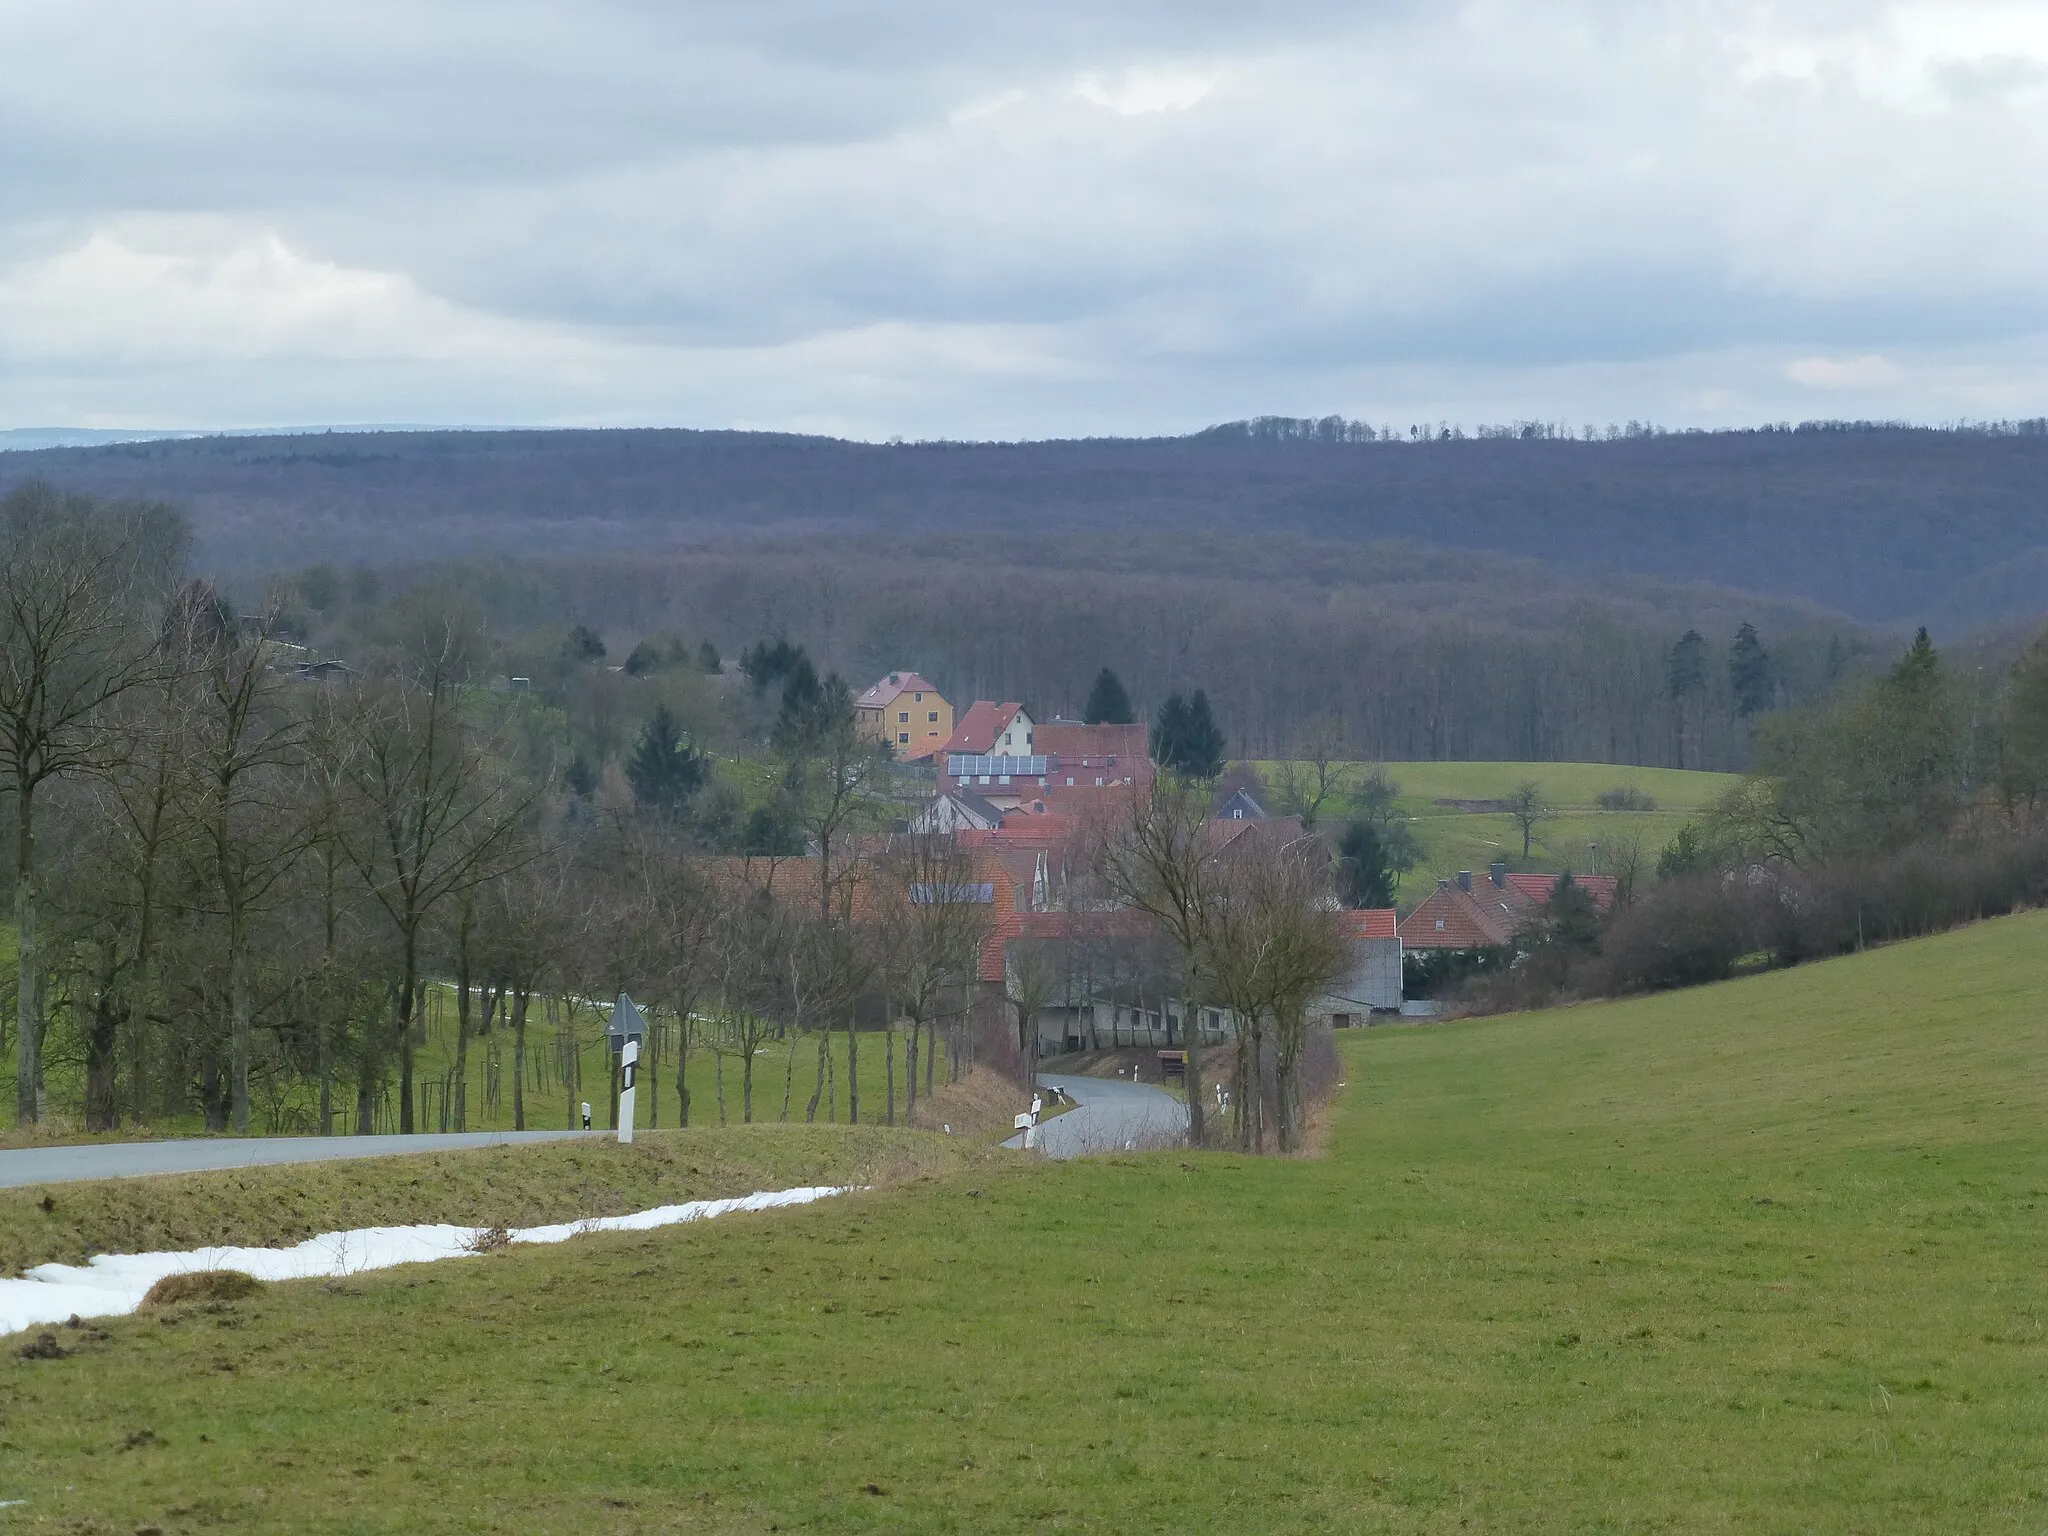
x: 624, y: 1034
x: 629, y: 1068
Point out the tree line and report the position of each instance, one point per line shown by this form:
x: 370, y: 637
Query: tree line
x: 1908, y: 802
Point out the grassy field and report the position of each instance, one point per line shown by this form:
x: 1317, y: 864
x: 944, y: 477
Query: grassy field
x: 1454, y: 839
x: 1766, y: 1256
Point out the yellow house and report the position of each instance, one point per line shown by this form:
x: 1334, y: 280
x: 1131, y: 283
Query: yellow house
x: 907, y: 712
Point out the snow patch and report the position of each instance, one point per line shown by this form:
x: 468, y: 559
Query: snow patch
x: 113, y: 1284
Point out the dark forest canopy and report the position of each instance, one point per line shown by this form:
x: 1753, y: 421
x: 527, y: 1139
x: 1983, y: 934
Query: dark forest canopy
x: 1886, y: 523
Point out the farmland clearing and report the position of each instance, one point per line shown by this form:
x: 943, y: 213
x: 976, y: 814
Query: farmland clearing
x: 1765, y: 1255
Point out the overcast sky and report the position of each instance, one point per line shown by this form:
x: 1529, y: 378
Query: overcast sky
x: 941, y: 218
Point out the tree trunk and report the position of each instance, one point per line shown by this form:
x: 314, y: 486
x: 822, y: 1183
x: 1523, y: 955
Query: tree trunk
x: 747, y: 1088
x: 102, y: 1062
x: 1191, y: 1044
x: 910, y: 1070
x: 852, y: 1069
x: 462, y: 1018
x: 239, y: 1022
x: 28, y: 1003
x: 889, y: 1066
x: 931, y: 1053
x: 407, y: 1000
x: 519, y: 1060
x: 682, y: 1065
x: 818, y: 1088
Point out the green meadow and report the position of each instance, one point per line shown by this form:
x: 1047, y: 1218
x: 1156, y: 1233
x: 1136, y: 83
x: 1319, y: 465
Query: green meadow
x: 1766, y: 1256
x: 1453, y: 839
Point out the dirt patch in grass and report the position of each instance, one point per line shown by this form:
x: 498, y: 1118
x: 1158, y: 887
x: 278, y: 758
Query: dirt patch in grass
x: 982, y: 1106
x: 201, y: 1285
x: 514, y: 1186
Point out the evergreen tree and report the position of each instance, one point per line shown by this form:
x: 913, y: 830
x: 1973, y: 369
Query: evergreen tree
x: 582, y: 644
x: 808, y: 713
x: 765, y: 665
x: 1686, y: 671
x: 1186, y: 739
x: 708, y: 659
x: 1169, y: 731
x: 1749, y: 673
x: 645, y: 657
x: 581, y: 777
x: 1366, y: 876
x: 664, y: 770
x: 1108, y: 704
x: 1568, y: 920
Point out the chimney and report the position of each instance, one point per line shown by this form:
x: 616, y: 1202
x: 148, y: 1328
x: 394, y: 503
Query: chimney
x: 1443, y: 885
x: 1500, y: 874
x: 1464, y: 879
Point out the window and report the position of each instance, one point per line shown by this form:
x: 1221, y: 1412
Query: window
x: 904, y: 718
x: 984, y: 778
x: 1439, y: 925
x: 918, y: 698
x: 903, y: 738
x: 1098, y: 781
x: 1070, y: 781
x: 1002, y: 778
x: 931, y: 717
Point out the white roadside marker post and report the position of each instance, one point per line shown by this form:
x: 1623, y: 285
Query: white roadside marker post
x: 629, y: 1063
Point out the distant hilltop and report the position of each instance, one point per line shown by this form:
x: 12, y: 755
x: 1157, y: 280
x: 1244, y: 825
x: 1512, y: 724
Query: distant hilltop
x: 1883, y: 522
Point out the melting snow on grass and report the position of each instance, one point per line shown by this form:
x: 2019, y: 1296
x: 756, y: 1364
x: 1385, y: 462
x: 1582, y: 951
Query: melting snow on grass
x: 113, y: 1284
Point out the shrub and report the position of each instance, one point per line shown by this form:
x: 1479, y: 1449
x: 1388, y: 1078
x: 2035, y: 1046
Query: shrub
x: 1626, y: 797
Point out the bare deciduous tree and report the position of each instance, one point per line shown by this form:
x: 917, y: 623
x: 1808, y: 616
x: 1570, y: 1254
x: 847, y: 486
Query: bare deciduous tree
x: 1160, y: 857
x: 76, y: 632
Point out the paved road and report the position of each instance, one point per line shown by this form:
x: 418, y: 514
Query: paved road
x: 126, y: 1159
x: 1109, y: 1115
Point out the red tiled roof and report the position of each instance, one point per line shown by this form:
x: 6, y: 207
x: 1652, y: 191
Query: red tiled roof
x: 1067, y: 740
x: 1451, y: 917
x: 1369, y: 923
x: 979, y: 727
x: 884, y: 692
x: 1537, y: 888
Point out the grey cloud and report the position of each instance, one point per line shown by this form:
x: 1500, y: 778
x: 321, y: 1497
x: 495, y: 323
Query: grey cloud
x: 780, y: 212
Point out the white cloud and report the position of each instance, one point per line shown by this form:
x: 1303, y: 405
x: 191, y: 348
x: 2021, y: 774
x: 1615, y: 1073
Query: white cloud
x: 1869, y: 372
x: 1141, y: 89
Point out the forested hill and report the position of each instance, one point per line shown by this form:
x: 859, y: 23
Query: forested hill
x: 1885, y: 523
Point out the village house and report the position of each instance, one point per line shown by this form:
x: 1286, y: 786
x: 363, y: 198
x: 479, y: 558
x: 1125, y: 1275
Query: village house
x: 907, y: 712
x: 1461, y: 915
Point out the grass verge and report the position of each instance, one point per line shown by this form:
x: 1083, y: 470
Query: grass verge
x: 517, y: 1186
x: 1765, y: 1256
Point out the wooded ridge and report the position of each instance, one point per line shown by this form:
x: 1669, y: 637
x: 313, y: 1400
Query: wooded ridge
x: 1885, y: 523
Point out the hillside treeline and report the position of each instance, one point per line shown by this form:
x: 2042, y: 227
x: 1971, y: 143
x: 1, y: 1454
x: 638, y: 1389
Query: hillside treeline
x: 1885, y: 523
x: 1418, y: 654
x: 1909, y: 802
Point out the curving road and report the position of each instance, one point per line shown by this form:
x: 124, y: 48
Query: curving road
x: 128, y: 1159
x: 1110, y: 1114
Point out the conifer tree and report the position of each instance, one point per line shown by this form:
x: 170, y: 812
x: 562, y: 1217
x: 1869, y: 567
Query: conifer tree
x: 664, y: 770
x: 1108, y: 704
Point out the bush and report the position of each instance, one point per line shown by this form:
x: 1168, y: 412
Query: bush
x: 1626, y: 797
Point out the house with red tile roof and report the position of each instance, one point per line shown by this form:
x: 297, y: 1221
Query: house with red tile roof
x: 907, y: 712
x: 1462, y: 914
